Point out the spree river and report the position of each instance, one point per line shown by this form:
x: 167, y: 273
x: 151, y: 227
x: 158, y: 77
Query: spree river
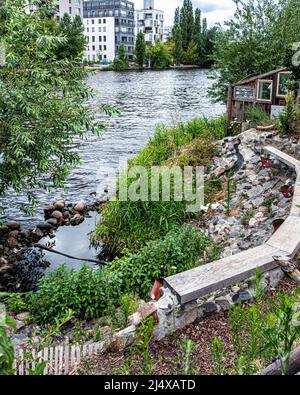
x: 146, y: 99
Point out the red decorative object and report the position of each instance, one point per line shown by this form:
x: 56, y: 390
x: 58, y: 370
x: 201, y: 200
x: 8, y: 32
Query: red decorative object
x: 155, y: 292
x: 287, y: 191
x: 266, y: 163
x: 277, y: 223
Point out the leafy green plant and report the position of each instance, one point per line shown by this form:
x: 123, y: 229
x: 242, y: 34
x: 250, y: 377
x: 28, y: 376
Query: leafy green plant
x: 257, y: 116
x: 188, y: 365
x: 283, y: 328
x: 142, y: 346
x: 6, y: 348
x: 217, y: 351
x: 287, y: 119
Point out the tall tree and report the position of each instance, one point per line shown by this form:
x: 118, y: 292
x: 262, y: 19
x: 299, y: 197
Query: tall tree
x: 121, y: 62
x: 140, y: 49
x: 178, y: 47
x: 187, y: 22
x: 255, y: 41
x: 73, y: 31
x: 198, y: 36
x: 43, y: 102
x: 176, y: 21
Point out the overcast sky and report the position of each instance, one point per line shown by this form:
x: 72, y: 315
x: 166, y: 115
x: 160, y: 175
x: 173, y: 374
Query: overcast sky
x: 214, y: 10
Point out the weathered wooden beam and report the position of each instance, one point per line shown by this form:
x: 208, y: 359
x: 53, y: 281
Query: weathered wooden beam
x: 275, y: 368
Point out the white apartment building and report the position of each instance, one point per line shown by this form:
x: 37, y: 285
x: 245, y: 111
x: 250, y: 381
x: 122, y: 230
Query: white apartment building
x: 150, y: 21
x: 100, y: 33
x: 71, y: 7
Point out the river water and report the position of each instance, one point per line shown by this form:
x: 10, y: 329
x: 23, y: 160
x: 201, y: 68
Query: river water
x: 146, y: 99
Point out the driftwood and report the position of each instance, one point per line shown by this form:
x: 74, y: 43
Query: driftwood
x: 42, y: 247
x: 288, y: 266
x: 275, y: 368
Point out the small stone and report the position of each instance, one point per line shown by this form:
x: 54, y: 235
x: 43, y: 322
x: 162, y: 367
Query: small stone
x: 57, y: 215
x: 242, y: 297
x: 77, y: 219
x: 48, y: 210
x: 23, y: 316
x: 44, y: 226
x: 210, y: 307
x: 52, y: 221
x: 66, y: 214
x: 80, y: 207
x: 252, y: 222
x: 220, y: 171
x: 14, y: 226
x: 12, y: 242
x: 14, y: 234
x: 258, y: 201
x: 59, y: 205
x: 225, y: 303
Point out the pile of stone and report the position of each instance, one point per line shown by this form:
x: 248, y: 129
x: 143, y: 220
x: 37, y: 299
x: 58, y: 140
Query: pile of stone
x: 256, y: 200
x: 15, y: 241
x: 59, y: 213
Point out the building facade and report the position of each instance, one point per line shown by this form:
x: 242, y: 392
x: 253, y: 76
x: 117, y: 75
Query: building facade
x: 71, y: 7
x: 108, y: 24
x: 150, y: 21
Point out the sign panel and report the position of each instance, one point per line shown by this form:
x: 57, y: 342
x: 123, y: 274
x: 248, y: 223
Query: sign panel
x: 244, y: 92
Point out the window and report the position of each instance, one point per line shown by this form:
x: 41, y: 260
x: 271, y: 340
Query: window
x: 282, y: 83
x: 93, y: 48
x: 104, y: 47
x: 104, y: 38
x: 100, y: 47
x: 93, y: 21
x: 104, y: 20
x: 93, y: 39
x: 264, y: 90
x: 99, y: 21
x: 100, y: 38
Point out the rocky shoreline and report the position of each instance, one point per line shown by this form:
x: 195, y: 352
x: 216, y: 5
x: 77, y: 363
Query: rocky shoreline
x: 15, y: 241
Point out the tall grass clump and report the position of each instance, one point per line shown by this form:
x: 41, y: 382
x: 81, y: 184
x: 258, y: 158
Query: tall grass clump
x: 131, y: 224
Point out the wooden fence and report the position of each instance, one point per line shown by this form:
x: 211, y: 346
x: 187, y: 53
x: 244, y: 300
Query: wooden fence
x: 60, y: 360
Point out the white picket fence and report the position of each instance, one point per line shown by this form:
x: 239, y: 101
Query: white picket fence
x: 60, y: 360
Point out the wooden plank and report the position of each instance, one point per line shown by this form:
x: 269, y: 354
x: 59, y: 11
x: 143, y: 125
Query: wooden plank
x: 287, y: 237
x: 46, y: 358
x: 66, y: 356
x: 61, y: 359
x: 203, y: 280
x: 51, y: 353
x: 283, y: 157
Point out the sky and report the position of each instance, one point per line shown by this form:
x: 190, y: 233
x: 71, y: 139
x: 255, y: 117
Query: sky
x: 214, y: 10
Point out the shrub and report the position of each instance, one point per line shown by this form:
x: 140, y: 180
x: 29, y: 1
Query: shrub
x: 287, y: 119
x: 92, y: 293
x: 180, y: 250
x: 131, y: 224
x: 85, y: 292
x: 257, y: 116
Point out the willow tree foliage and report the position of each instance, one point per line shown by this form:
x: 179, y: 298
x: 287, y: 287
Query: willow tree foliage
x: 43, y: 100
x: 255, y: 41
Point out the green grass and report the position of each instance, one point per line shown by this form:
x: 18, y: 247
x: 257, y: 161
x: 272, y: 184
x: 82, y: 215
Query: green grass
x: 131, y: 224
